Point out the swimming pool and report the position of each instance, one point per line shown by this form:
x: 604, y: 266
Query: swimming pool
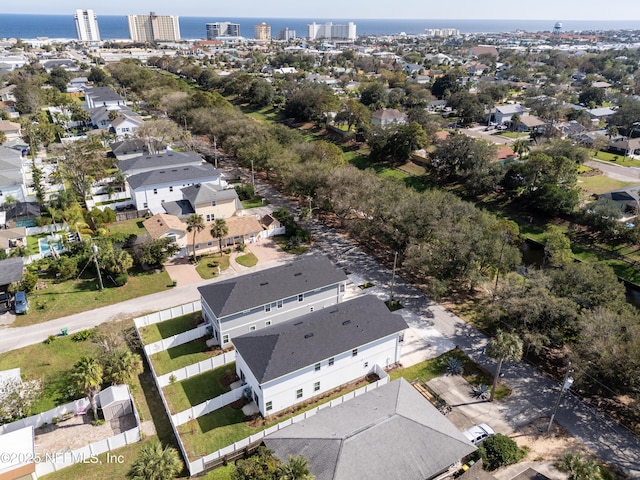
x: 46, y: 244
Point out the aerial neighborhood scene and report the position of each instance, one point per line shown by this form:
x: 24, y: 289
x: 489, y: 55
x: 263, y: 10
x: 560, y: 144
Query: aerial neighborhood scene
x: 320, y: 241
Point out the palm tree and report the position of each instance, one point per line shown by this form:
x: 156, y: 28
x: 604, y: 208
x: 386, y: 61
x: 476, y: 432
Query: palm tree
x: 579, y: 468
x: 121, y: 365
x: 156, y: 463
x: 520, y: 147
x: 87, y: 373
x: 219, y: 230
x: 296, y: 468
x: 195, y: 224
x: 504, y: 346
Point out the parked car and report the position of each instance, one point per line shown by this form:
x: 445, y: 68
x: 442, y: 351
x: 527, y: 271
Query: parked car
x: 479, y: 433
x: 5, y: 300
x: 20, y: 303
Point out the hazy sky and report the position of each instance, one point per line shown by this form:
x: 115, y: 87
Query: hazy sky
x: 562, y: 10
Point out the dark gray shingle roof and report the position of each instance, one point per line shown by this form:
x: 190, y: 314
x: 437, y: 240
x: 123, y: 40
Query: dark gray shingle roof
x: 103, y: 94
x: 160, y: 160
x: 206, y: 193
x: 11, y: 270
x: 389, y: 432
x: 186, y: 174
x: 248, y: 291
x: 179, y: 208
x: 275, y: 351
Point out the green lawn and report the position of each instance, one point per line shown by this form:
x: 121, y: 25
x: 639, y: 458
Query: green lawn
x: 195, y: 390
x: 181, y: 356
x: 254, y: 202
x: 514, y: 135
x: 617, y: 159
x: 601, y: 184
x: 222, y: 427
x: 282, y: 242
x: 75, y: 296
x: 128, y: 226
x: 208, y: 265
x: 168, y: 328
x: 52, y: 364
x: 247, y: 260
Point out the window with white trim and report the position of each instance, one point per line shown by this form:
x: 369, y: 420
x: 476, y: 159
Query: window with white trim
x: 269, y: 406
x: 155, y: 191
x: 279, y: 303
x: 316, y: 386
x: 267, y: 323
x: 317, y: 367
x: 267, y: 307
x: 225, y: 339
x: 331, y: 360
x: 354, y: 352
x: 252, y: 328
x: 299, y: 393
x: 301, y: 297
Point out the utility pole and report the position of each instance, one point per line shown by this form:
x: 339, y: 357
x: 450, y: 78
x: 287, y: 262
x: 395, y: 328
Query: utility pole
x: 94, y: 248
x: 393, y: 274
x: 215, y: 152
x: 566, y: 383
x: 253, y: 178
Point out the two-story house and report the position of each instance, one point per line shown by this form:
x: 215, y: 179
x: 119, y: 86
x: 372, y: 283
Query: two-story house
x: 251, y: 302
x: 12, y: 182
x: 301, y: 358
x: 11, y: 130
x: 102, y: 97
x: 124, y: 125
x: 148, y: 162
x: 149, y: 190
x: 137, y: 147
x: 388, y: 116
x: 211, y: 201
x: 102, y: 117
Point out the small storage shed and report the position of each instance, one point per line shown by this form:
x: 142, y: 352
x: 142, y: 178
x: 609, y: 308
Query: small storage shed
x: 115, y: 401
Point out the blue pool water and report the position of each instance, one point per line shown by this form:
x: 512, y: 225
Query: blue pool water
x: 55, y: 242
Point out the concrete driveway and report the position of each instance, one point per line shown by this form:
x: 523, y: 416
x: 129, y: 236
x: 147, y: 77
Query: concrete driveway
x: 182, y: 271
x: 267, y: 250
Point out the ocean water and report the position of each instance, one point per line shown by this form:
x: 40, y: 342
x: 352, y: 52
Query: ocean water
x: 116, y: 27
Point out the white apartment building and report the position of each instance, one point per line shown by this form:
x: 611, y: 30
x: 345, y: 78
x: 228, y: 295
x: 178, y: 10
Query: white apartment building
x: 329, y: 31
x: 222, y: 29
x: 152, y: 27
x: 87, y: 26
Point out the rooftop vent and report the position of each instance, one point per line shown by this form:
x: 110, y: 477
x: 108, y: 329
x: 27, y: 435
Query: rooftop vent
x: 163, y: 171
x: 346, y: 322
x: 308, y: 335
x: 264, y: 283
x: 297, y: 274
x: 298, y: 323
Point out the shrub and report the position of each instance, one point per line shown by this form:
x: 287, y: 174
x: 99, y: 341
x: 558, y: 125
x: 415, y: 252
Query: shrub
x: 500, y: 450
x: 29, y: 281
x: 82, y: 336
x: 121, y: 279
x: 241, y: 247
x: 50, y: 339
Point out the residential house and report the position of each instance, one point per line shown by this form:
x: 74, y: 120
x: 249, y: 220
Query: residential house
x: 244, y: 229
x: 390, y: 432
x: 149, y: 190
x: 124, y: 126
x: 9, y: 63
x: 162, y: 225
x: 147, y: 163
x: 10, y: 129
x: 503, y: 113
x: 388, y: 116
x: 6, y: 94
x: 102, y: 117
x: 625, y: 146
x: 210, y: 201
x: 64, y: 63
x: 601, y: 114
x: 306, y: 356
x: 136, y: 147
x: 627, y: 199
x: 255, y: 301
x: 12, y: 182
x: 530, y: 123
x: 436, y: 105
x: 11, y: 271
x: 77, y: 85
x: 483, y: 50
x: 102, y: 97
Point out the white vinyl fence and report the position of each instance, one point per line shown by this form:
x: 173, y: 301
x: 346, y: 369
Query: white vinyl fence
x: 168, y: 314
x: 59, y: 460
x: 46, y: 417
x: 207, y: 407
x: 175, y: 340
x: 197, y: 368
x: 199, y: 465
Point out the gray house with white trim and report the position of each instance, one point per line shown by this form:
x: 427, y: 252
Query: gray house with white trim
x: 250, y: 302
x: 306, y: 356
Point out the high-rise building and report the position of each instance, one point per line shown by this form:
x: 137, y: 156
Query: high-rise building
x: 87, y: 26
x: 222, y: 29
x: 286, y: 34
x: 442, y: 32
x: 329, y: 31
x: 152, y: 27
x: 262, y: 32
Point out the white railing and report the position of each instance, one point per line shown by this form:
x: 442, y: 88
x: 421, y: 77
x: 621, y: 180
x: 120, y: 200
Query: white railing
x: 197, y: 368
x: 176, y: 340
x: 54, y: 462
x: 209, y: 406
x: 199, y: 465
x: 46, y: 417
x: 168, y: 314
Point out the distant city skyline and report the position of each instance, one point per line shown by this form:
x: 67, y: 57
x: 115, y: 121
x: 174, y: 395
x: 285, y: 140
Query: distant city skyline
x: 333, y: 9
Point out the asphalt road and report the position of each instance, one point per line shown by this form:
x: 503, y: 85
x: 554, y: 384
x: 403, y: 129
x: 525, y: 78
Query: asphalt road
x: 617, y: 172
